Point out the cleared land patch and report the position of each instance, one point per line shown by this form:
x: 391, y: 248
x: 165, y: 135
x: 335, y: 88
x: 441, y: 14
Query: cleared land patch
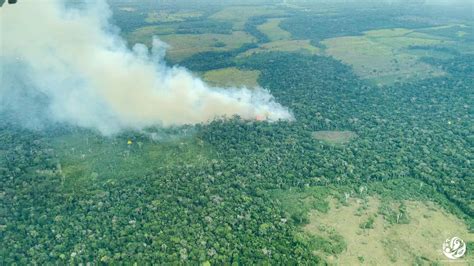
x: 167, y: 16
x: 232, y: 77
x: 334, y: 137
x: 381, y: 55
x: 302, y: 46
x: 372, y: 240
x: 453, y: 31
x: 145, y: 34
x: 185, y: 45
x: 426, y: 52
x: 272, y: 29
x: 239, y: 15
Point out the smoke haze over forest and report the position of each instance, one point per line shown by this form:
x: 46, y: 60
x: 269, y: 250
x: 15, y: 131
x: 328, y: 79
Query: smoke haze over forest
x: 71, y: 65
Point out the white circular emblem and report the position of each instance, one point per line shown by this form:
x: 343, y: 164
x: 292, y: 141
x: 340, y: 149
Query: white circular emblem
x: 454, y: 248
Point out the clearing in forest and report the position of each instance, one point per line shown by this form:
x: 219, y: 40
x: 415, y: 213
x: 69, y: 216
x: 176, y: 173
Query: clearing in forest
x: 272, y: 29
x: 186, y: 45
x: 461, y: 32
x: 239, y: 15
x: 302, y: 46
x: 168, y: 16
x: 145, y: 34
x: 382, y: 56
x: 334, y: 137
x: 232, y: 77
x: 371, y: 239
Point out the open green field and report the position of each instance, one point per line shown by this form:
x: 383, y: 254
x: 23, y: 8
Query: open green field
x: 419, y: 53
x: 272, y: 29
x: 302, y: 46
x: 145, y: 34
x: 167, y: 16
x: 381, y: 55
x: 232, y: 77
x: 185, y: 45
x: 461, y: 32
x: 371, y: 239
x: 239, y: 15
x: 334, y: 137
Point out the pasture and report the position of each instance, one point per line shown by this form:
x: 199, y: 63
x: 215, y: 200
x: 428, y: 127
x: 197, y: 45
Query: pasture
x: 381, y: 55
x: 182, y: 46
x: 239, y: 15
x: 232, y: 77
x: 272, y: 29
x: 300, y: 46
x: 168, y: 16
x: 382, y: 243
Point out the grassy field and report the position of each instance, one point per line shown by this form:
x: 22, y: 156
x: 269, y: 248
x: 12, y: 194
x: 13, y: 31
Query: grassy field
x: 239, y: 15
x: 302, y: 46
x: 272, y: 29
x: 167, y: 16
x: 419, y: 53
x: 145, y: 34
x: 334, y: 137
x: 381, y: 55
x: 383, y: 243
x: 232, y: 77
x: 185, y: 45
x: 452, y: 31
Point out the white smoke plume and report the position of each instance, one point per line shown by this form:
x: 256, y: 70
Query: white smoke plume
x: 76, y: 60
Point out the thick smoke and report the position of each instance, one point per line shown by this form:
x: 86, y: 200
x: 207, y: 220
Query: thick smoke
x: 74, y: 62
